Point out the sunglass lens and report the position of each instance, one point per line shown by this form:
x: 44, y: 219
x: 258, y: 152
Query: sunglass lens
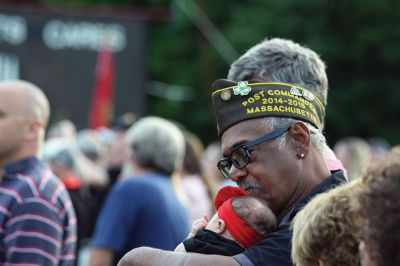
x: 224, y: 166
x: 239, y: 157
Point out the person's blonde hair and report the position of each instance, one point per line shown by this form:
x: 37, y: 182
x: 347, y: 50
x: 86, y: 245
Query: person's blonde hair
x: 326, y: 229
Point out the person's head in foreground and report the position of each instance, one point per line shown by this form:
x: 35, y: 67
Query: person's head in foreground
x: 326, y: 232
x: 381, y: 210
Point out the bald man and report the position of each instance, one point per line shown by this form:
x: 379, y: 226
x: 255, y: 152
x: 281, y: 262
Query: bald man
x: 38, y: 223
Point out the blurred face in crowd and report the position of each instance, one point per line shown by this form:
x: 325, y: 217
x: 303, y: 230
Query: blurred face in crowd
x: 216, y: 224
x: 13, y: 122
x: 271, y: 174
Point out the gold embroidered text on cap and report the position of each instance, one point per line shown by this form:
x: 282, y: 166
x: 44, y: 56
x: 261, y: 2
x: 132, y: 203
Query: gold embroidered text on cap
x: 254, y: 99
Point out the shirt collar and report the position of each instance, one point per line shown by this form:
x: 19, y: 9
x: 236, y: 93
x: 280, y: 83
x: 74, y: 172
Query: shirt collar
x: 336, y: 178
x: 22, y: 165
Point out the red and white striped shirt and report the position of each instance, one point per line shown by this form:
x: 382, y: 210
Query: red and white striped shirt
x: 37, y: 219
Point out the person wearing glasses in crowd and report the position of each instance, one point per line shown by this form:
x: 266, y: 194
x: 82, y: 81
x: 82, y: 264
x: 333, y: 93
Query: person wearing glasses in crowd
x: 273, y: 147
x: 240, y: 222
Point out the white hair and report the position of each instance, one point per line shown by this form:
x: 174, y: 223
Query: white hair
x: 316, y: 136
x: 156, y: 143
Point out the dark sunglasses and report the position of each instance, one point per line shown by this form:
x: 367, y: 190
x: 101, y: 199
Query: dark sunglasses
x: 240, y: 155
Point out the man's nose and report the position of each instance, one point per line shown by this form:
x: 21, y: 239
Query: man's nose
x: 236, y: 174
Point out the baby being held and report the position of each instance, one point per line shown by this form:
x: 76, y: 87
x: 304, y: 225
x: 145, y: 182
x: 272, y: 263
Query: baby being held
x: 240, y: 222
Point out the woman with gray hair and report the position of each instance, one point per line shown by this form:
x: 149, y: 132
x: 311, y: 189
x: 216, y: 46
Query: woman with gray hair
x: 157, y: 144
x: 143, y: 209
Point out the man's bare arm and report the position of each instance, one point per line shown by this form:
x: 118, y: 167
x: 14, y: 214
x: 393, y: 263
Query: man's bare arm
x: 145, y: 256
x: 180, y: 248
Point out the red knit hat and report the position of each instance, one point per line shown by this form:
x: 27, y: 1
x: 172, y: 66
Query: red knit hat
x: 227, y: 192
x: 239, y: 228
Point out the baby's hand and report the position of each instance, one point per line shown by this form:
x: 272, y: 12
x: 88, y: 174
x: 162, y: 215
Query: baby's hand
x: 198, y: 224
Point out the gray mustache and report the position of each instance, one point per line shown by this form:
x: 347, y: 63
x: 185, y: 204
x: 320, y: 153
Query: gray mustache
x: 249, y: 184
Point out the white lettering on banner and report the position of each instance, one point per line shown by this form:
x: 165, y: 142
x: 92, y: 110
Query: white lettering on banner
x: 13, y: 29
x: 9, y: 66
x: 83, y: 35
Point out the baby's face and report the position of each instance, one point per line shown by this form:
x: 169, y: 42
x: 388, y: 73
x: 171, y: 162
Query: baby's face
x: 218, y: 226
x: 213, y: 224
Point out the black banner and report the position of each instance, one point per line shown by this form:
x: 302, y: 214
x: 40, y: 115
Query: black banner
x: 57, y: 51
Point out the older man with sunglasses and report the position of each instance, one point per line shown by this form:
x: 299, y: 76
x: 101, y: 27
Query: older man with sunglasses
x: 273, y: 147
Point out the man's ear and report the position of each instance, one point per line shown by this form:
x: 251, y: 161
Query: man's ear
x: 33, y: 127
x: 300, y: 138
x: 131, y: 158
x: 221, y: 226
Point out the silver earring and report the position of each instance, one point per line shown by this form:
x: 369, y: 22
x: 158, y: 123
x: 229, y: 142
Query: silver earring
x: 302, y: 155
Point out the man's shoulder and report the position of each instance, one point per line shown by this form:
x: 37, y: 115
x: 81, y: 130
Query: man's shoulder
x: 142, y: 184
x: 337, y: 178
x: 275, y: 249
x: 31, y: 178
x: 45, y: 190
x: 140, y: 189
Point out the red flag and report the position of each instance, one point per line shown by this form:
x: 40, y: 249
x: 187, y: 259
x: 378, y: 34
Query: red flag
x: 103, y: 92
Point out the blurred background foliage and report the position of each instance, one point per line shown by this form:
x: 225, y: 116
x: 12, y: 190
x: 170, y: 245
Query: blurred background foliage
x: 358, y: 39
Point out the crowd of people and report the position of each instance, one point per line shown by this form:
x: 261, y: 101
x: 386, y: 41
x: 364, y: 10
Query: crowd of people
x: 145, y: 191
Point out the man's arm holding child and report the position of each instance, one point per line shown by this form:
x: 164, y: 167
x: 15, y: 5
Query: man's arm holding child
x: 150, y: 256
x: 196, y: 226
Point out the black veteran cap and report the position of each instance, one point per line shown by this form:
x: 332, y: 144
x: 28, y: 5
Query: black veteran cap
x: 237, y: 101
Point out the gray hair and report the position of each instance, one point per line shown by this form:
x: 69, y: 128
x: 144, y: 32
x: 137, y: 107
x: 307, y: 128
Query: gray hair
x: 157, y: 144
x: 58, y: 150
x: 280, y: 60
x: 316, y: 136
x: 90, y: 144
